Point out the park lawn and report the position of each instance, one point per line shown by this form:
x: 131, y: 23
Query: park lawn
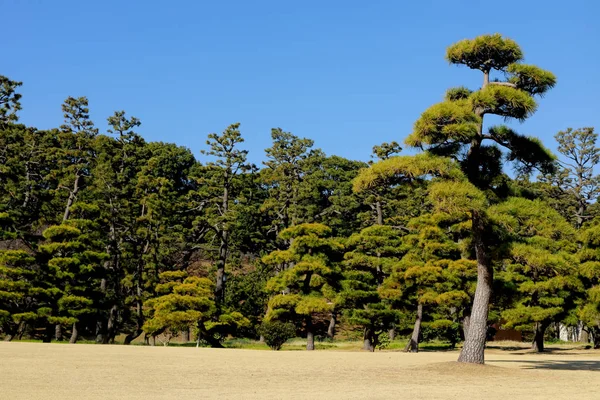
x: 42, y: 371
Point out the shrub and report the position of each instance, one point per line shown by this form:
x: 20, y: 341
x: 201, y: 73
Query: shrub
x: 276, y: 333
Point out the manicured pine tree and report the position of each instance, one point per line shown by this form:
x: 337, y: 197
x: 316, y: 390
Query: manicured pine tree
x: 71, y: 260
x: 540, y: 263
x: 309, y: 287
x: 419, y: 282
x: 17, y: 286
x: 188, y: 303
x: 455, y: 128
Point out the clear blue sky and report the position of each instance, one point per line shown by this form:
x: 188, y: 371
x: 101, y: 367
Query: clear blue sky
x: 348, y: 74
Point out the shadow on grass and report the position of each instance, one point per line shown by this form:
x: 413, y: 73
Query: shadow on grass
x: 527, y: 349
x: 564, y: 365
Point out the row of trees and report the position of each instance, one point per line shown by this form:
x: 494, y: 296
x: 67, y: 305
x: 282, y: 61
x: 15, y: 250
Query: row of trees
x: 105, y: 235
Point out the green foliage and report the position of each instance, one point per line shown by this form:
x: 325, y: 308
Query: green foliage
x: 485, y: 52
x: 276, y: 333
x: 308, y: 286
x: 540, y: 262
x: 9, y: 100
x: 531, y: 79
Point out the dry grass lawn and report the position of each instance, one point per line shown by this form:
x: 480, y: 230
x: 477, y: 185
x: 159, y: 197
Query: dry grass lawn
x: 51, y: 371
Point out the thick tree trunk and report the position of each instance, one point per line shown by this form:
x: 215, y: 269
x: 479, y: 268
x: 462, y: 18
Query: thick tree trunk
x: 585, y: 336
x: 74, y: 334
x: 132, y: 336
x: 392, y: 333
x: 186, y: 335
x: 21, y: 330
x: 413, y: 344
x: 474, y: 346
x: 538, y: 338
x: 465, y: 325
x: 111, y: 325
x: 310, y: 336
x: 595, y: 332
x: 58, y: 333
x: 331, y: 328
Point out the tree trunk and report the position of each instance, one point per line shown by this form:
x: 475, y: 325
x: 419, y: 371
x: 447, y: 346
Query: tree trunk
x: 48, y: 334
x: 474, y: 346
x: 413, y: 344
x: 186, y: 335
x: 72, y: 197
x: 310, y: 336
x: 100, y: 331
x: 379, y: 210
x: 21, y: 330
x: 331, y: 328
x: 585, y: 336
x: 111, y: 325
x: 220, y: 284
x: 58, y: 332
x: 368, y: 340
x: 74, y: 334
x: 261, y: 339
x: 465, y: 325
x: 392, y: 333
x: 132, y: 336
x: 595, y: 337
x: 538, y: 339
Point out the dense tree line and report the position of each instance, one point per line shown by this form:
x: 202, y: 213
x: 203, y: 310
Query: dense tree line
x: 108, y: 237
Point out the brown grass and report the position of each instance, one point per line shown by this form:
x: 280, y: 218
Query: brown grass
x: 47, y: 371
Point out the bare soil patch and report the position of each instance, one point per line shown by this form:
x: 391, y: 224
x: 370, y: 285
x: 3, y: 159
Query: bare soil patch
x: 43, y: 371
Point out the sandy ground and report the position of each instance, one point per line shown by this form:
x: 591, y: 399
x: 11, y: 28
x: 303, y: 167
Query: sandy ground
x: 57, y: 371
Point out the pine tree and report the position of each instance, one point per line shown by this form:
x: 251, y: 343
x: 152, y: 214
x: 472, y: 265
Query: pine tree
x: 432, y: 273
x: 540, y: 264
x: 17, y: 292
x: 221, y: 186
x: 309, y: 287
x: 285, y: 174
x: 455, y: 128
x: 71, y: 266
x: 113, y: 188
x: 370, y: 259
x: 188, y: 303
x: 9, y: 100
x: 589, y: 272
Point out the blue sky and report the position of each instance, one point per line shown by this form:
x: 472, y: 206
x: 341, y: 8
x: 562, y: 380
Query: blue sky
x: 348, y: 74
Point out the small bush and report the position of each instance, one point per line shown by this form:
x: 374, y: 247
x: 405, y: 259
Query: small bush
x: 276, y: 333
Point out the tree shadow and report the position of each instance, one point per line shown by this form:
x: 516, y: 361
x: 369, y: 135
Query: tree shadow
x: 547, y: 350
x: 564, y: 365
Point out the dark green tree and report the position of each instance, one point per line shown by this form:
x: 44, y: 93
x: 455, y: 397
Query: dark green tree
x: 221, y: 190
x: 9, y: 100
x: 371, y: 258
x: 540, y: 264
